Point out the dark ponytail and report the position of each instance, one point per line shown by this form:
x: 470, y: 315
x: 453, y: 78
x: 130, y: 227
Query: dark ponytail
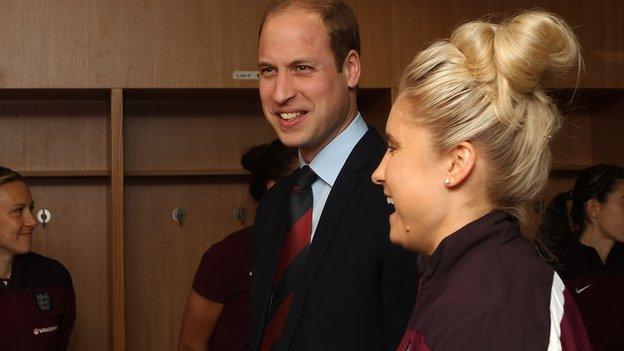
x: 555, y: 232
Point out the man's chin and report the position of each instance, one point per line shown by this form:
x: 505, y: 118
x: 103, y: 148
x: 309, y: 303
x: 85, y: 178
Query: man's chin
x: 292, y: 139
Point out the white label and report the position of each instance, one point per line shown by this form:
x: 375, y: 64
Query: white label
x: 246, y: 75
x: 38, y: 331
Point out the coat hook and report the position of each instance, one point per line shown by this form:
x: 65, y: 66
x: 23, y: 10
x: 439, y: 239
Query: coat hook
x: 178, y: 215
x: 240, y: 214
x: 44, y: 216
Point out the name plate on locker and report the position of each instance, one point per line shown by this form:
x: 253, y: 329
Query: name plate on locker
x: 246, y: 75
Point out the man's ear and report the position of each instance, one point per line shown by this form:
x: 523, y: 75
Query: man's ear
x: 269, y: 184
x: 352, y: 69
x: 460, y: 163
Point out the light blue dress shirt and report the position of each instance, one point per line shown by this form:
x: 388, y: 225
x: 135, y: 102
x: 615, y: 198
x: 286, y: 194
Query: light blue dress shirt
x: 328, y: 163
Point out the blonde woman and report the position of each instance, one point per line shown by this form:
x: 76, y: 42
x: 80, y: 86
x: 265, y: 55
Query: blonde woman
x: 468, y: 150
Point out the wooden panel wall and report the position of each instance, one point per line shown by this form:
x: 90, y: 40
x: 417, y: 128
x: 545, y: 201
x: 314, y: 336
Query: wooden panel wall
x: 77, y: 236
x: 199, y: 43
x: 608, y: 128
x: 598, y: 25
x: 148, y: 150
x: 192, y: 130
x: 42, y: 129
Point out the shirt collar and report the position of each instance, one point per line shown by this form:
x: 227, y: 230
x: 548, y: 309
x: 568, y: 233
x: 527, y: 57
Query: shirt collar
x: 329, y: 161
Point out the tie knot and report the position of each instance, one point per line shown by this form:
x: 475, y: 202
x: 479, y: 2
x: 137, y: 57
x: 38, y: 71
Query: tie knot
x: 306, y: 178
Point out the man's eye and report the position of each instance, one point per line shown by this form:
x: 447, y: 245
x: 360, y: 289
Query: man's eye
x: 391, y: 148
x: 266, y: 71
x: 302, y: 68
x: 19, y: 211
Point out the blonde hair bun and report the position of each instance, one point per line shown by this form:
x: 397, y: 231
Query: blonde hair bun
x: 529, y: 50
x: 487, y: 84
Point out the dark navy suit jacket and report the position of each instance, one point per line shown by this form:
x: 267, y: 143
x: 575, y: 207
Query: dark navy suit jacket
x: 358, y: 289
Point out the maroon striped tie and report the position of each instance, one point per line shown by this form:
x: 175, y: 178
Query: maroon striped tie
x: 292, y: 255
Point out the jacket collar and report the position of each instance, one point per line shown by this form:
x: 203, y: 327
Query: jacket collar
x: 331, y: 159
x: 454, y: 247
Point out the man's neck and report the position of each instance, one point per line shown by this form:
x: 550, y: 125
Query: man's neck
x: 309, y: 153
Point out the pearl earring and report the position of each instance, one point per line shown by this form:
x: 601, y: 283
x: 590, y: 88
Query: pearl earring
x: 447, y: 181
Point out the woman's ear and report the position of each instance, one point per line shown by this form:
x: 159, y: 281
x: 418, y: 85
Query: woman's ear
x: 592, y: 209
x: 460, y: 163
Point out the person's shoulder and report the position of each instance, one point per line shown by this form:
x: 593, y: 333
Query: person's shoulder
x: 240, y: 238
x: 504, y: 263
x: 229, y: 248
x: 37, y: 268
x: 520, y: 249
x: 33, y: 259
x: 371, y: 147
x: 526, y: 276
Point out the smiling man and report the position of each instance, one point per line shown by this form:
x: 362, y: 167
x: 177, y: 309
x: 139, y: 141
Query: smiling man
x: 325, y: 275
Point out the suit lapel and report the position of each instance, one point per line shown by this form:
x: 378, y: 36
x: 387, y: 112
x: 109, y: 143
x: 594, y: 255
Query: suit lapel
x: 346, y: 183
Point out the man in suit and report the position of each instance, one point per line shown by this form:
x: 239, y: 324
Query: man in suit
x: 325, y: 275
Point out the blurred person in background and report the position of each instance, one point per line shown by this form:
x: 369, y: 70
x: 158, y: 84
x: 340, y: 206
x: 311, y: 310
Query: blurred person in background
x: 590, y: 257
x: 218, y: 309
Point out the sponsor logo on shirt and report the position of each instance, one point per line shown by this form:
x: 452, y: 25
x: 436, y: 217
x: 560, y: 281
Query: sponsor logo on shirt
x: 578, y: 291
x: 44, y: 301
x: 38, y: 331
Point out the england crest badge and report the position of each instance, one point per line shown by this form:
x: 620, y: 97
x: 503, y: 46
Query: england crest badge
x: 44, y: 301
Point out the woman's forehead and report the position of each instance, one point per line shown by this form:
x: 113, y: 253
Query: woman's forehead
x: 14, y: 192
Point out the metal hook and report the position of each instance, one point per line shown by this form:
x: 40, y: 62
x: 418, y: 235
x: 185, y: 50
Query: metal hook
x: 240, y: 214
x: 44, y: 216
x: 178, y: 215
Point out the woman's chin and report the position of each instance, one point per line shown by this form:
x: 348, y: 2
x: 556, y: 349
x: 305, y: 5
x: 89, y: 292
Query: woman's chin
x: 397, y: 235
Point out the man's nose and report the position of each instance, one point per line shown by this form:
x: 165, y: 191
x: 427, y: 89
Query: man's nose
x: 284, y: 89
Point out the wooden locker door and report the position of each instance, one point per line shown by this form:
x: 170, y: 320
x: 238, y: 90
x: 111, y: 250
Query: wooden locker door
x: 162, y: 255
x: 77, y: 237
x: 182, y: 148
x: 59, y: 140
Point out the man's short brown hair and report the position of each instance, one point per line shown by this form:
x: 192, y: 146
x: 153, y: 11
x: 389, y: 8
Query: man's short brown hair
x: 339, y: 20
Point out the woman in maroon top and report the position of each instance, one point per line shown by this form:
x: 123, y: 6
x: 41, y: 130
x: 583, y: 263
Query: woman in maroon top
x: 467, y: 152
x: 218, y: 308
x: 37, y: 301
x: 590, y: 259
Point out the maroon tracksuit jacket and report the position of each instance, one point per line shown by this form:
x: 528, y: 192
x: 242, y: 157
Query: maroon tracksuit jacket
x: 37, y: 305
x: 598, y: 291
x: 486, y: 288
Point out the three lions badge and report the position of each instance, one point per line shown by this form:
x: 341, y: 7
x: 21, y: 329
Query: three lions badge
x: 44, y: 301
